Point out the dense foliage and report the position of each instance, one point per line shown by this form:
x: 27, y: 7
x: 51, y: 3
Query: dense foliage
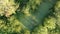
x: 29, y: 16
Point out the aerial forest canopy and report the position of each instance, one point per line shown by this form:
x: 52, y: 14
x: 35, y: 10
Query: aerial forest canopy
x: 29, y: 16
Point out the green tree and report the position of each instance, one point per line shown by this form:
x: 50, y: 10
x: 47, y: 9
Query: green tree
x: 29, y: 16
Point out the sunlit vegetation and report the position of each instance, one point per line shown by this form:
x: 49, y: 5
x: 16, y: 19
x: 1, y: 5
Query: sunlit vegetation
x: 29, y: 16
